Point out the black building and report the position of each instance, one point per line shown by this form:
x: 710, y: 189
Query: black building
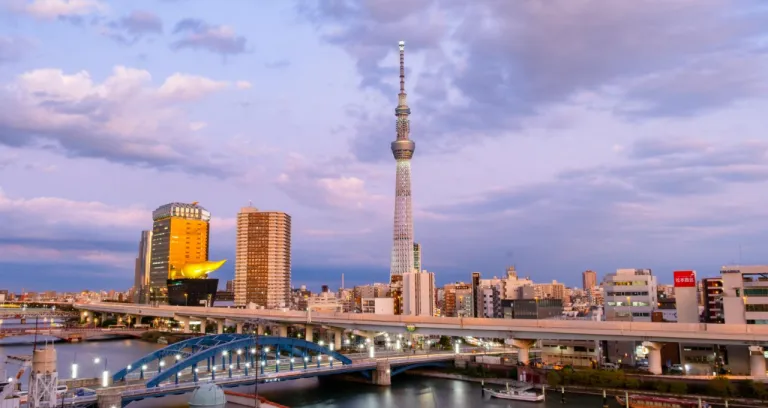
x: 192, y: 292
x: 532, y: 308
x: 475, y: 295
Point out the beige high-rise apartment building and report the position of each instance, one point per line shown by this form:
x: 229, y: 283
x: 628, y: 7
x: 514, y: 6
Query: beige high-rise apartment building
x: 263, y: 258
x: 589, y: 280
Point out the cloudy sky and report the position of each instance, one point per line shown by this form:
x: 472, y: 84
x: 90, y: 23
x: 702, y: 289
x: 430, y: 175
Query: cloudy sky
x: 556, y: 135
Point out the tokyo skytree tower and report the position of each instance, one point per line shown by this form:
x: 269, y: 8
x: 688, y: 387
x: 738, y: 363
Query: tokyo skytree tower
x: 402, y: 149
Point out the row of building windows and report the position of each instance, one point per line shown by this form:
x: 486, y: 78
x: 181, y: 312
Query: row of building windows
x: 630, y: 304
x: 756, y: 292
x: 626, y: 293
x: 634, y: 314
x: 629, y: 283
x: 756, y: 308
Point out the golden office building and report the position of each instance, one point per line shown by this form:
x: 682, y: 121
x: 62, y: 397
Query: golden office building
x: 263, y: 258
x: 179, y: 237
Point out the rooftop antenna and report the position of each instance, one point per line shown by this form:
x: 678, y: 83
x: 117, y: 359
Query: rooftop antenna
x: 250, y: 203
x: 342, y: 281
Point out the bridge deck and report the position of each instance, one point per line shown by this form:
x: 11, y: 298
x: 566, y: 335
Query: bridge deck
x: 478, y: 327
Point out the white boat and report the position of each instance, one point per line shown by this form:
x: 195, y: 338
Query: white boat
x: 518, y: 394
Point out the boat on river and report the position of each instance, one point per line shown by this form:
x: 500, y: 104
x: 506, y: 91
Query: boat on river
x: 523, y: 393
x: 649, y: 401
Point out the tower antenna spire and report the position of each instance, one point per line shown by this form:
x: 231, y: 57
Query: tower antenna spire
x: 402, y: 66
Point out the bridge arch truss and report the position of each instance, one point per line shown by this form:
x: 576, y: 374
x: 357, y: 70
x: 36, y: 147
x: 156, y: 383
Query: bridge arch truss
x: 206, y: 350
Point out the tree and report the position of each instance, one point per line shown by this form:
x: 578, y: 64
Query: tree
x: 445, y: 342
x: 553, y: 379
x: 759, y: 390
x: 661, y: 386
x: 721, y: 387
x: 678, y: 388
x: 632, y: 383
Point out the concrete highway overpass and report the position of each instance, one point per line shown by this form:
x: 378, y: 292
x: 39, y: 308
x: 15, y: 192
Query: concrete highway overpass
x: 725, y: 334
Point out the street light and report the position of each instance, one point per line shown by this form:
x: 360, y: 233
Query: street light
x: 104, y: 374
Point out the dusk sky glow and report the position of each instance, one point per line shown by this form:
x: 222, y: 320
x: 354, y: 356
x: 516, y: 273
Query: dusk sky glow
x: 557, y: 136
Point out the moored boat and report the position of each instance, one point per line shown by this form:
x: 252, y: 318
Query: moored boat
x: 649, y: 401
x: 516, y: 393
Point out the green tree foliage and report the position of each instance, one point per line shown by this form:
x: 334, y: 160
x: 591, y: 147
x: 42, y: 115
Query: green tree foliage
x: 661, y: 386
x: 553, y: 379
x: 632, y: 383
x: 678, y: 388
x: 721, y: 387
x: 445, y: 342
x: 759, y: 390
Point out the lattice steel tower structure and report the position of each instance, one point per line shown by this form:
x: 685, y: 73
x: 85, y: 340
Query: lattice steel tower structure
x: 402, y: 149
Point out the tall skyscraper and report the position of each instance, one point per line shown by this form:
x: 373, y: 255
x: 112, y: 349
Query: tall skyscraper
x: 179, y: 237
x: 476, y: 311
x: 589, y: 280
x: 416, y: 257
x: 142, y: 267
x: 263, y: 258
x: 402, y: 149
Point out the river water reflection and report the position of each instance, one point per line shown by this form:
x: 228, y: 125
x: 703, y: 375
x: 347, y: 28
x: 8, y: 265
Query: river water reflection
x: 406, y: 391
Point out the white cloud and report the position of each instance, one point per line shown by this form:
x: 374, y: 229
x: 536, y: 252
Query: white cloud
x: 195, y: 126
x: 324, y: 186
x: 55, y: 211
x: 27, y: 254
x: 184, y: 87
x: 51, y: 9
x: 61, y: 211
x: 123, y: 119
x: 243, y: 85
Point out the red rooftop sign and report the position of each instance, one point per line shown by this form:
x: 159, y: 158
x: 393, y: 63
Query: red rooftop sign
x: 685, y: 279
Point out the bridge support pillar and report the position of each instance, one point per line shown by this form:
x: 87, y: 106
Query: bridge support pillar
x: 109, y: 398
x: 183, y: 320
x: 282, y: 330
x: 756, y: 362
x: 654, y: 357
x: 260, y: 329
x: 239, y: 327
x: 338, y: 334
x: 219, y: 326
x: 103, y: 318
x: 382, y: 374
x: 523, y: 349
x: 308, y: 333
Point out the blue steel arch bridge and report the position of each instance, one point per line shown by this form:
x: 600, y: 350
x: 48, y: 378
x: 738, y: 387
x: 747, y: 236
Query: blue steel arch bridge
x: 226, y: 354
x: 232, y: 360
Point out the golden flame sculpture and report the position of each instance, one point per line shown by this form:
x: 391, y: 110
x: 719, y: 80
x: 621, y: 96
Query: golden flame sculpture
x: 196, y: 270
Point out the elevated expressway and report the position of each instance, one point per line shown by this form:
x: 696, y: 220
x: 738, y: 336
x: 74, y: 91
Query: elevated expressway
x: 524, y: 332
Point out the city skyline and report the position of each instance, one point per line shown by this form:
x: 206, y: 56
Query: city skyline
x: 539, y: 147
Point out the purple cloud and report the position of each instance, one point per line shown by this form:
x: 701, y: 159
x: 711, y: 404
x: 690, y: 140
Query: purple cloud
x: 504, y: 62
x: 132, y: 27
x: 197, y: 34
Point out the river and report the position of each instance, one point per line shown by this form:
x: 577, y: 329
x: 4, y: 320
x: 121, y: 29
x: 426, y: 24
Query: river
x: 406, y: 391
